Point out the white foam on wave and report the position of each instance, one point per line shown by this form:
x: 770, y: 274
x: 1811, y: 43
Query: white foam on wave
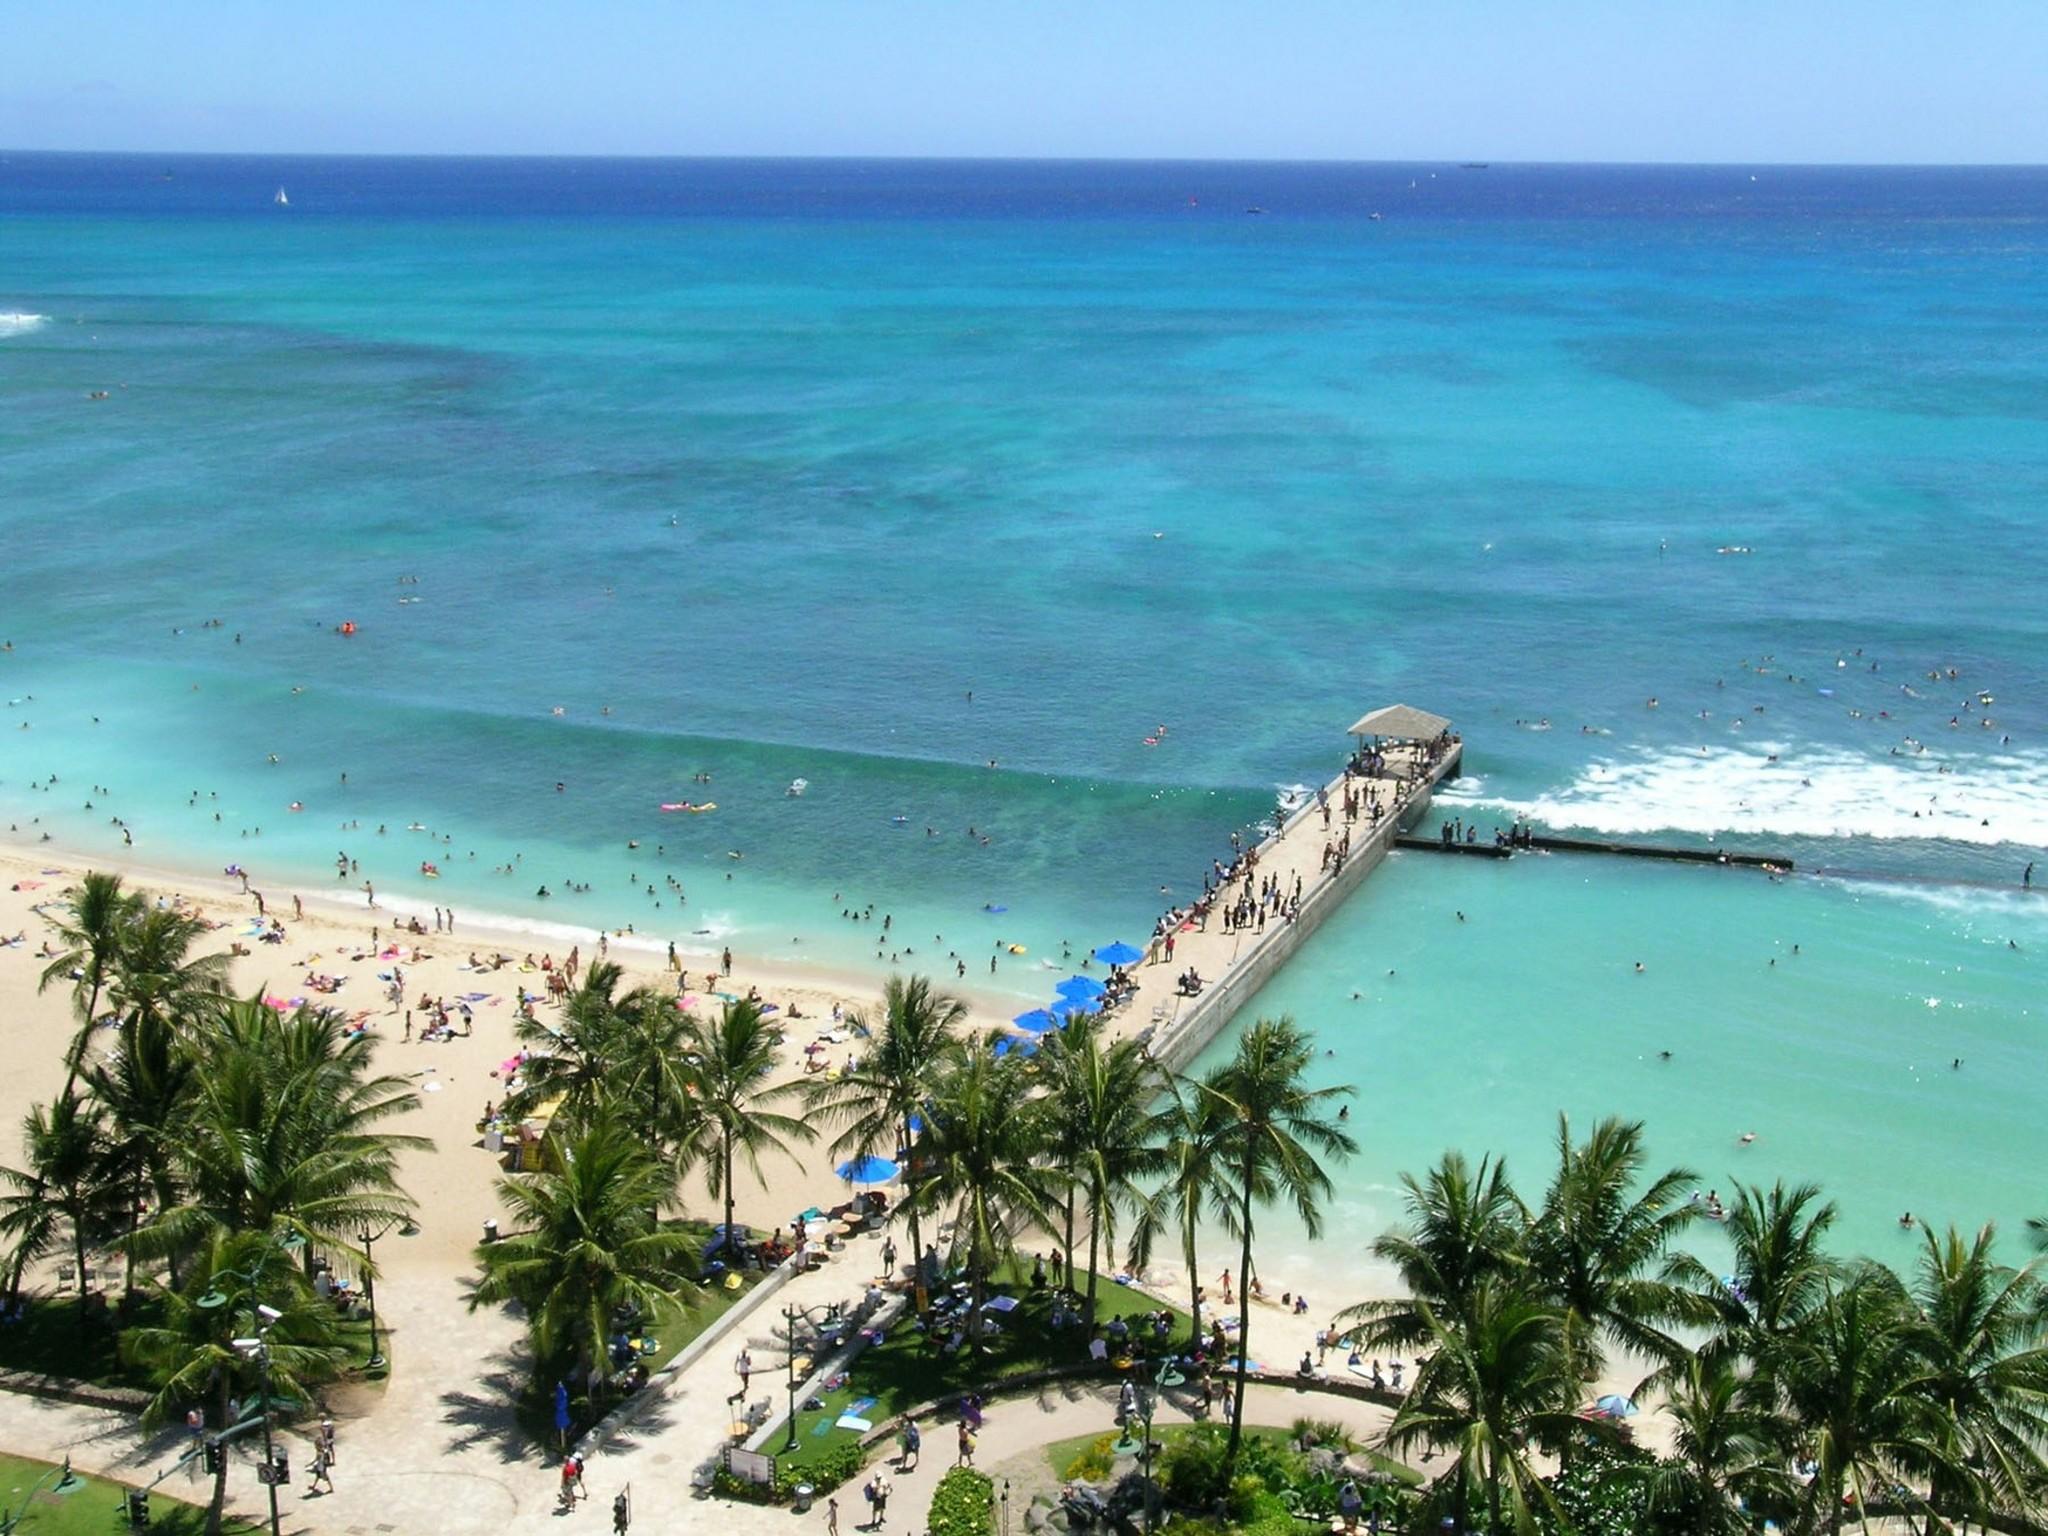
x: 1994, y: 798
x: 15, y: 322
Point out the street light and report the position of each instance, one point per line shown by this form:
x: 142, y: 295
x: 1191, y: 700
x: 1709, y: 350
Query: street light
x: 1148, y: 1403
x: 257, y: 1348
x: 789, y: 1370
x: 369, y: 1239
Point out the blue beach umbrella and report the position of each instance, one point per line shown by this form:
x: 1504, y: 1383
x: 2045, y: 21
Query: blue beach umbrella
x: 1036, y: 1022
x: 1615, y: 1407
x: 1119, y: 954
x: 1009, y: 1043
x: 1081, y: 986
x: 868, y: 1170
x: 1069, y: 1006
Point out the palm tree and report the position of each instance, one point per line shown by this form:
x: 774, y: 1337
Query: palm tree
x: 1500, y: 1382
x: 650, y: 1074
x: 101, y: 912
x: 589, y: 1243
x: 984, y: 1130
x: 191, y: 1356
x: 570, y: 1065
x: 1196, y: 1186
x: 731, y: 1059
x: 878, y: 1103
x: 1987, y: 1371
x: 287, y: 1130
x: 1465, y: 1226
x: 153, y: 973
x: 146, y: 1090
x: 69, y: 1182
x: 1274, y: 1127
x: 1106, y: 1095
x: 1781, y: 1270
x: 1855, y: 1380
x: 1604, y: 1252
x: 1726, y: 1470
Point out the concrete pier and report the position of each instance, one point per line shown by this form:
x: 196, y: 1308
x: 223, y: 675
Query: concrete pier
x: 1415, y: 753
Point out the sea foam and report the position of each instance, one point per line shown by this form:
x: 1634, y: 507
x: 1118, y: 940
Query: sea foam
x: 17, y: 322
x: 1999, y: 798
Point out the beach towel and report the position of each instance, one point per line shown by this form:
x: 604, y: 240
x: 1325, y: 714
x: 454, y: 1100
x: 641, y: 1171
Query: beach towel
x: 853, y: 1422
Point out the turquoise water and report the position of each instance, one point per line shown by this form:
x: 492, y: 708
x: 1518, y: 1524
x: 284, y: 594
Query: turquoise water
x: 760, y: 468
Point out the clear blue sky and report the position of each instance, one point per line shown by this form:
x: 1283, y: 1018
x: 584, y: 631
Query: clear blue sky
x: 1719, y: 80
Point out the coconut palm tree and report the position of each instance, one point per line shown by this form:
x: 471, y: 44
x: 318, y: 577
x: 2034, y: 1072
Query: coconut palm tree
x: 649, y: 1083
x: 146, y: 1090
x: 984, y: 1131
x: 1780, y: 1272
x: 190, y: 1354
x: 1195, y: 1188
x: 877, y: 1104
x: 1499, y: 1383
x: 1465, y: 1226
x: 69, y: 1184
x: 589, y: 1242
x: 91, y: 936
x: 287, y: 1130
x: 570, y: 1064
x: 732, y: 1058
x: 1855, y: 1380
x: 1727, y: 1467
x: 1107, y: 1095
x: 1274, y: 1127
x: 154, y: 973
x: 1604, y: 1250
x: 1982, y: 1334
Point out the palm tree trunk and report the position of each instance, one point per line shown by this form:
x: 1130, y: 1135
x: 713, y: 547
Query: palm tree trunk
x: 76, y: 1057
x: 910, y: 1206
x: 84, y: 1299
x: 220, y: 1471
x: 730, y: 1245
x: 1067, y: 1259
x: 1187, y: 1237
x: 1094, y: 1251
x: 1244, y: 1334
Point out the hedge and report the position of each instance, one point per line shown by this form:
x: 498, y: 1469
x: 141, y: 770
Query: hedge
x: 964, y: 1504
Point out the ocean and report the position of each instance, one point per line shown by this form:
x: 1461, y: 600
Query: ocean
x: 1047, y: 520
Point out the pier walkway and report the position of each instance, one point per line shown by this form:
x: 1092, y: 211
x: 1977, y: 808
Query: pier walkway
x: 1402, y: 755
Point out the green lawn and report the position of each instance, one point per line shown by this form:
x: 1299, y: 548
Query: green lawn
x: 907, y: 1368
x: 91, y: 1506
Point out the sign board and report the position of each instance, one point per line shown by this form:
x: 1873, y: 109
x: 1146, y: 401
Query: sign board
x: 750, y: 1466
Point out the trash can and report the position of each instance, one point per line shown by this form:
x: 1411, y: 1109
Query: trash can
x: 804, y: 1494
x: 490, y: 1231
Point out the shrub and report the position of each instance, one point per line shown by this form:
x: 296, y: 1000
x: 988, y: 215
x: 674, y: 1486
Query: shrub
x: 963, y: 1504
x: 1191, y: 1470
x: 1094, y: 1464
x: 1327, y: 1433
x: 823, y: 1470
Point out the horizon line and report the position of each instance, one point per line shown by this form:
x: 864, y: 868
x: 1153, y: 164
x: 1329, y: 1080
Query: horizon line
x: 1455, y: 162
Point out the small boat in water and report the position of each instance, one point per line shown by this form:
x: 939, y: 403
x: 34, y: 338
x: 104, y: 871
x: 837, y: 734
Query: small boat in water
x: 797, y: 787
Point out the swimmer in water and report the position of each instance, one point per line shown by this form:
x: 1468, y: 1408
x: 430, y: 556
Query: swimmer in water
x: 1745, y: 1138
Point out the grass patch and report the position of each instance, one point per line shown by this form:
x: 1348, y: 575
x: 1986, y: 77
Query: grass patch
x: 909, y: 1368
x: 92, y: 1506
x: 1068, y: 1458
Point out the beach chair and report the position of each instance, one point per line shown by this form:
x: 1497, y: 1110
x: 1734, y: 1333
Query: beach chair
x: 67, y: 1276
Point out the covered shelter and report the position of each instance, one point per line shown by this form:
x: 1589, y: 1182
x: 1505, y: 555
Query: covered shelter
x: 1400, y: 722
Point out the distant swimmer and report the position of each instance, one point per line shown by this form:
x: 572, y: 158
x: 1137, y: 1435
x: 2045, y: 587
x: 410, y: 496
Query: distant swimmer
x: 1663, y: 1055
x: 1639, y: 967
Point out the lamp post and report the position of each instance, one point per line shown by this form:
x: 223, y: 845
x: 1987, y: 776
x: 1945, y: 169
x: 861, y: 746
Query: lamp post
x: 258, y: 1347
x: 789, y: 1324
x: 369, y: 1239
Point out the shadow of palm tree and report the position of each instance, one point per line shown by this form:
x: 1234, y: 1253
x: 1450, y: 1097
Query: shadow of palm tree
x: 489, y: 1417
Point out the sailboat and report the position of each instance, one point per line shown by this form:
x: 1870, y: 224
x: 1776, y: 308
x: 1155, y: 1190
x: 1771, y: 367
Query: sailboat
x: 281, y: 200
